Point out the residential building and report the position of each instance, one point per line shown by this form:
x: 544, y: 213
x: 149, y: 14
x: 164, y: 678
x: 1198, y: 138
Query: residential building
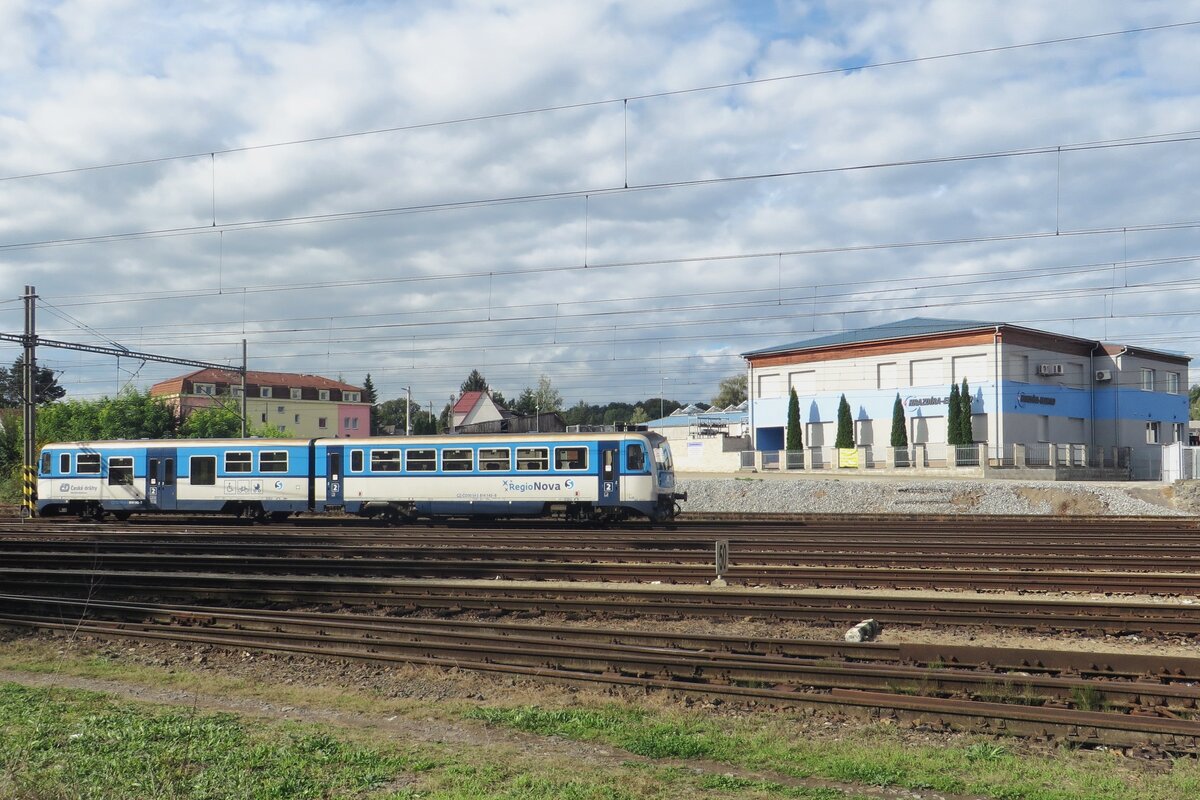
x: 305, y: 405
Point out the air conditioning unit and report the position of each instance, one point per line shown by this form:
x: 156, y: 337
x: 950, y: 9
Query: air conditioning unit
x: 1045, y: 369
x: 1058, y: 369
x: 1104, y: 375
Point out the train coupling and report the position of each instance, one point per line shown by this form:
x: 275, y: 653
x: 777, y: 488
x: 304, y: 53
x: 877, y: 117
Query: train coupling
x: 679, y: 495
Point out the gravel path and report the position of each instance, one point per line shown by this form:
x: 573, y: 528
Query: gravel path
x: 784, y: 494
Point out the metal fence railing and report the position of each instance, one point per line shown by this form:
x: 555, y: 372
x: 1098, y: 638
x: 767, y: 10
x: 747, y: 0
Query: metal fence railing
x: 770, y: 459
x: 1037, y: 455
x: 747, y: 459
x: 793, y: 459
x: 964, y: 455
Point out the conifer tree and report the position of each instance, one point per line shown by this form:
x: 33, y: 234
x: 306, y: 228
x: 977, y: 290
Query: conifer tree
x: 899, y: 428
x: 967, y: 434
x: 845, y: 427
x: 795, y: 440
x: 953, y: 413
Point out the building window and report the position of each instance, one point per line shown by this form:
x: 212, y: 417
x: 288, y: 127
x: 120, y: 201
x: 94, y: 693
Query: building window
x: 458, y: 460
x: 264, y: 391
x: 354, y: 424
x: 1179, y: 433
x: 420, y: 460
x: 236, y: 391
x: 351, y: 397
x: 204, y: 471
x: 323, y: 394
x: 322, y: 422
x: 1147, y: 380
x: 1152, y: 432
x: 120, y: 471
x: 495, y: 458
x: 238, y: 461
x: 273, y: 461
x: 209, y: 389
x: 384, y: 460
x: 294, y: 393
x: 296, y: 419
x: 88, y: 463
x: 264, y: 416
x: 1173, y: 382
x: 279, y: 409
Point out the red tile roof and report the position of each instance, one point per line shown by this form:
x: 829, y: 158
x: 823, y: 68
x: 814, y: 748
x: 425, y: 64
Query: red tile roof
x: 466, y: 402
x: 290, y: 379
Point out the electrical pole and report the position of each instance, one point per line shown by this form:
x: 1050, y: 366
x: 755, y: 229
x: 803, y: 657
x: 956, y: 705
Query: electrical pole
x: 243, y: 388
x: 408, y: 412
x: 29, y: 340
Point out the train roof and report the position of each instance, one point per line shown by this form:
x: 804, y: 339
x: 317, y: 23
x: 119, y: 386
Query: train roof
x: 440, y: 439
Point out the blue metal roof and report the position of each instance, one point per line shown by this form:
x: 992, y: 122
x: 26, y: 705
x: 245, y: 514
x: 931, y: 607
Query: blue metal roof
x: 914, y: 326
x: 683, y: 420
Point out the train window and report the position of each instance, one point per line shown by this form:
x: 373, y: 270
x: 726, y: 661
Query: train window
x: 495, y: 458
x: 273, y: 461
x: 239, y: 461
x: 356, y: 460
x: 570, y: 458
x: 204, y: 471
x: 531, y: 459
x: 88, y: 463
x: 64, y: 463
x: 120, y: 471
x: 384, y: 460
x: 420, y: 460
x: 152, y: 471
x: 635, y: 458
x: 169, y: 472
x: 46, y: 463
x: 458, y: 460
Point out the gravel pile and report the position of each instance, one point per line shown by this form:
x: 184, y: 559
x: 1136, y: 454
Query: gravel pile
x: 783, y: 495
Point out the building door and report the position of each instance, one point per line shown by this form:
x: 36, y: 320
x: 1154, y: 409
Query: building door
x: 160, y: 479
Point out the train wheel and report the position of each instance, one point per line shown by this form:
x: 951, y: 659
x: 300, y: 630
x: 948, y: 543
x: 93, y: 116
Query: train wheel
x: 121, y: 516
x: 279, y: 516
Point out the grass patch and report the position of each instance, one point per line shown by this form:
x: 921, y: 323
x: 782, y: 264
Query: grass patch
x: 56, y: 743
x: 876, y: 756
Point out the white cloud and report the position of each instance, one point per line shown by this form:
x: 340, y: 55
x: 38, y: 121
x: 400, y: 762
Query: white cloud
x: 89, y: 83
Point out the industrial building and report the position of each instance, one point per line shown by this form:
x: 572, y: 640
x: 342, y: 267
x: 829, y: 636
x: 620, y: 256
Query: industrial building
x: 1028, y: 387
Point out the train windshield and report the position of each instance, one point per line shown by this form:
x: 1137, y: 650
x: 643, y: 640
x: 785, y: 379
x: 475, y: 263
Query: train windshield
x: 662, y: 457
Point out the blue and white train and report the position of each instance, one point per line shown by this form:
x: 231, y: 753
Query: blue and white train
x: 592, y: 476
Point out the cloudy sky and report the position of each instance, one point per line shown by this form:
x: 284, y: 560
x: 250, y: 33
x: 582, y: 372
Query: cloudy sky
x: 620, y: 195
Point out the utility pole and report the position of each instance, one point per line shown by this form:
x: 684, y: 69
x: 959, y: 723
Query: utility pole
x: 243, y: 388
x: 408, y: 412
x: 29, y: 340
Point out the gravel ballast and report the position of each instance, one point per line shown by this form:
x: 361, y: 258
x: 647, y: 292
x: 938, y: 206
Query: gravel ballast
x: 784, y: 494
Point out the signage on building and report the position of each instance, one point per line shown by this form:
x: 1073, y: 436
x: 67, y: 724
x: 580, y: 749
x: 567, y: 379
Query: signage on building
x: 914, y: 402
x: 1034, y: 400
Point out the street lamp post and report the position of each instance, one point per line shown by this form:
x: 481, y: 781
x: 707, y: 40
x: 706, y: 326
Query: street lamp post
x: 408, y: 412
x: 661, y: 402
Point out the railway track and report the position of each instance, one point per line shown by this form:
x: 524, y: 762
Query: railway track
x: 1131, y: 702
x: 1146, y: 619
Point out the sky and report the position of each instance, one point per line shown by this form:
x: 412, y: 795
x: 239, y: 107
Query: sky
x: 620, y: 195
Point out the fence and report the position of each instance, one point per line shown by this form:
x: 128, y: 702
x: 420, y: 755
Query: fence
x: 1061, y: 461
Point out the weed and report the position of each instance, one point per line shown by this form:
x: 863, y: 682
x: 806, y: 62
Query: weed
x: 1088, y: 698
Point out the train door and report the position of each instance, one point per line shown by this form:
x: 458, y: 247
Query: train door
x: 610, y: 473
x: 160, y: 479
x: 335, y: 483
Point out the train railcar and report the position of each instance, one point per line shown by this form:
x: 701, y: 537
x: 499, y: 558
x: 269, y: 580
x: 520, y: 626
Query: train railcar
x: 260, y: 478
x: 577, y: 476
